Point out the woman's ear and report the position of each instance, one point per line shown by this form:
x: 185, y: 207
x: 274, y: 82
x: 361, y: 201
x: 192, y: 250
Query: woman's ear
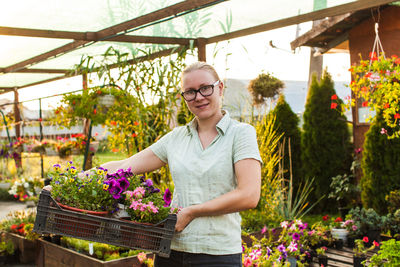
x: 221, y: 88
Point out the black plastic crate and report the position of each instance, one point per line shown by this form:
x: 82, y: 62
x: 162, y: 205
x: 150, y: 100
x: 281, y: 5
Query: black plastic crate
x: 52, y: 219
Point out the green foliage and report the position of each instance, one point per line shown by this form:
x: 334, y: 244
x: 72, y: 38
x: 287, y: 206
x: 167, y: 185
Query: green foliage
x: 271, y: 190
x: 264, y: 86
x: 366, y: 219
x: 343, y: 187
x: 391, y: 224
x: 393, y: 199
x: 295, y: 205
x: 380, y: 165
x: 325, y: 142
x: 6, y: 247
x: 388, y: 254
x: 287, y: 123
x: 184, y: 115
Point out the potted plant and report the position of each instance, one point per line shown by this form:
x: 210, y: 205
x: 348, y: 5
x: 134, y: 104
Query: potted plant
x: 360, y: 251
x: 376, y: 83
x: 388, y: 254
x: 368, y: 221
x: 322, y: 257
x: 343, y: 189
x: 392, y: 225
x: 25, y: 189
x: 338, y: 229
x: 95, y: 193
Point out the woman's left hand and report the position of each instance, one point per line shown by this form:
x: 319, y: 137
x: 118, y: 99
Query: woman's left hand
x: 184, y: 218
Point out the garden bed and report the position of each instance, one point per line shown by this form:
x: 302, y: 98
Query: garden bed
x: 25, y: 249
x: 50, y: 255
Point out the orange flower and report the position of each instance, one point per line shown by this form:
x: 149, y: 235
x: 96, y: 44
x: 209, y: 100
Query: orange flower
x: 333, y: 105
x: 386, y: 105
x: 397, y: 61
x: 397, y: 116
x: 98, y: 92
x: 373, y: 56
x: 134, y: 135
x: 334, y: 97
x: 364, y: 89
x: 115, y: 150
x: 114, y: 123
x: 136, y: 123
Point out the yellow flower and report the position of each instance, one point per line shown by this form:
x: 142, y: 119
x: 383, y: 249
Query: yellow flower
x: 100, y: 172
x: 99, y: 181
x: 71, y: 180
x: 73, y: 171
x: 105, y: 186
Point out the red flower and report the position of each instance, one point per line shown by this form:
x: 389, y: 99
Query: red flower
x: 13, y: 227
x: 325, y: 218
x: 376, y: 244
x: 397, y: 116
x: 373, y: 56
x: 386, y: 105
x: 368, y: 74
x: 333, y: 105
x: 134, y: 135
x: 334, y: 97
x: 136, y: 123
x: 114, y: 123
x: 98, y: 92
x: 364, y: 89
x: 397, y: 61
x: 365, y: 239
x: 94, y: 111
x: 365, y: 104
x: 339, y: 219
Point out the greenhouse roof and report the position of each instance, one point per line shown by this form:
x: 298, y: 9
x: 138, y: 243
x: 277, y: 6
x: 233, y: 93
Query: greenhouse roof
x: 43, y: 41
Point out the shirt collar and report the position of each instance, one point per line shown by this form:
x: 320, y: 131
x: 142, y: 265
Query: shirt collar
x: 222, y: 125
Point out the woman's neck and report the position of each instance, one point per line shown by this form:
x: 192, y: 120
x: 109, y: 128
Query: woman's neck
x: 209, y: 124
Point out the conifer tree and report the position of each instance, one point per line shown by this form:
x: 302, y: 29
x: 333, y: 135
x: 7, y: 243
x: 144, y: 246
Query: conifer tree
x: 380, y: 165
x: 325, y: 141
x: 287, y: 123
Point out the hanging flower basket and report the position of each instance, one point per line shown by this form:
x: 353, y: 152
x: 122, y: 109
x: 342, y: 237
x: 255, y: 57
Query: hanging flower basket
x: 376, y: 83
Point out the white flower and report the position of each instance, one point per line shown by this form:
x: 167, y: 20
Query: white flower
x: 284, y: 224
x: 26, y: 185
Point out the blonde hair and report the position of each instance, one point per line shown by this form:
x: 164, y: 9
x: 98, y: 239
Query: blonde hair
x: 200, y: 65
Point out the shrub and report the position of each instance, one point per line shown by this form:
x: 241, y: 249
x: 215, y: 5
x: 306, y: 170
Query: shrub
x: 287, y: 124
x: 325, y: 142
x: 380, y: 165
x: 393, y: 199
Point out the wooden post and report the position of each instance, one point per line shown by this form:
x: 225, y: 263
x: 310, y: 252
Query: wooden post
x: 201, y: 49
x: 17, y: 117
x: 86, y: 127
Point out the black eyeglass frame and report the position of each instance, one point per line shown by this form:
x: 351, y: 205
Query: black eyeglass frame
x: 199, y: 91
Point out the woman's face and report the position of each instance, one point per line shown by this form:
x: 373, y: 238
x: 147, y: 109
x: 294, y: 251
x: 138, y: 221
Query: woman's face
x: 203, y: 107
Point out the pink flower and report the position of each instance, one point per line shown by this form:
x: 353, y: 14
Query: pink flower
x: 142, y: 257
x: 292, y: 247
x: 383, y: 131
x: 255, y: 254
x: 139, y: 192
x: 247, y: 262
x: 354, y: 227
x: 264, y: 230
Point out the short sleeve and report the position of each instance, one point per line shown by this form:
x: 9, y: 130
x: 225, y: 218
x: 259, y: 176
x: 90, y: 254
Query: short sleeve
x: 160, y: 148
x: 245, y: 143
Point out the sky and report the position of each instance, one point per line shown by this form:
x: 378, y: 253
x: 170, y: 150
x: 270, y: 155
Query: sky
x: 248, y: 57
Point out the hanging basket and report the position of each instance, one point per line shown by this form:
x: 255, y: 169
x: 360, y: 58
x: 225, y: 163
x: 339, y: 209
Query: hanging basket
x: 106, y: 101
x: 94, y: 146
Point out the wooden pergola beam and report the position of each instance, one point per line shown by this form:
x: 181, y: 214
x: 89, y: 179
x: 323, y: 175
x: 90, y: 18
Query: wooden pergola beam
x: 51, y: 71
x: 311, y: 16
x: 91, y: 36
x: 113, y: 30
x: 318, y: 29
x: 158, y: 54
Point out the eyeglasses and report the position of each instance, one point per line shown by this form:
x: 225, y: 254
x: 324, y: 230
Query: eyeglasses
x: 205, y: 90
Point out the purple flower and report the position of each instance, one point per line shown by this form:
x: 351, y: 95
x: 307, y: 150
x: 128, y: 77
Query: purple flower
x: 281, y: 248
x: 167, y: 197
x: 148, y: 182
x: 123, y: 183
x: 296, y: 236
x: 303, y: 226
x: 115, y: 189
x: 269, y: 252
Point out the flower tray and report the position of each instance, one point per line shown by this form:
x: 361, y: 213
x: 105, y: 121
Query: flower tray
x: 52, y: 219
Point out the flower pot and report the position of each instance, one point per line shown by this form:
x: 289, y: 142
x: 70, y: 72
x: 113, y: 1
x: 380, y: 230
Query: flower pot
x: 357, y: 261
x: 340, y: 234
x: 339, y: 244
x: 350, y: 242
x: 323, y: 260
x: 292, y: 261
x: 373, y: 235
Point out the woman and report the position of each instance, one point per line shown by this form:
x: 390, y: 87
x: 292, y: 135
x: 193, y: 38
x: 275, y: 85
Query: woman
x: 216, y: 169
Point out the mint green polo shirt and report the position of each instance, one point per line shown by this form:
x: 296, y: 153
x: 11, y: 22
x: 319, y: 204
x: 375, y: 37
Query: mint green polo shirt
x: 201, y: 174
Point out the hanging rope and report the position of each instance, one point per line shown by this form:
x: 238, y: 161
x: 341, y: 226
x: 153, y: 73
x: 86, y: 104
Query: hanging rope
x: 377, y: 47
